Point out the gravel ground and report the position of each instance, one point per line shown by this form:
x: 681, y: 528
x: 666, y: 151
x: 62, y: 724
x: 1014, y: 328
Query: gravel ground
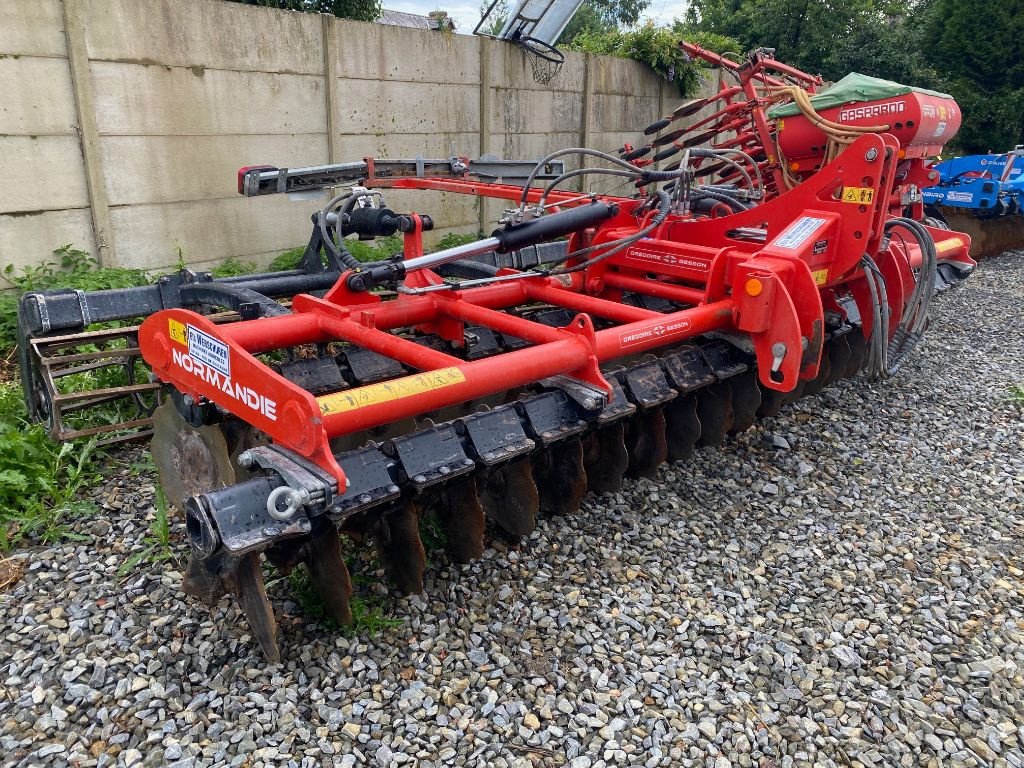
x: 841, y: 585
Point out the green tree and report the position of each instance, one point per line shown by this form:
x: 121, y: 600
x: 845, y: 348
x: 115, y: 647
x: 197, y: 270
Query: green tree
x: 360, y: 10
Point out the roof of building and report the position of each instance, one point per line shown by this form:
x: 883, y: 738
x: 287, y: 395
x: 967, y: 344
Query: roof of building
x: 416, y: 21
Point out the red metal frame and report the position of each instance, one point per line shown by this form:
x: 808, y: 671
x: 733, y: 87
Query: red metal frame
x: 774, y: 292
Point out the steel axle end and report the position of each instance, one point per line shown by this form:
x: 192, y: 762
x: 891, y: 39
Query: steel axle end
x: 199, y: 528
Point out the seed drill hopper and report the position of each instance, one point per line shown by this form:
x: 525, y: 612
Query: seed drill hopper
x: 589, y: 338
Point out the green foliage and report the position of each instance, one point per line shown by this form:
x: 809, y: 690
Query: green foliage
x: 368, y: 611
x: 232, y: 267
x: 657, y: 47
x: 360, y: 10
x: 39, y: 479
x: 1017, y: 393
x: 70, y: 268
x: 156, y: 545
x: 288, y: 260
x: 497, y: 19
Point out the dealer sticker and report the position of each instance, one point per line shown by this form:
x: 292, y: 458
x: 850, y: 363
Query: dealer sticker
x: 209, y: 351
x: 799, y: 232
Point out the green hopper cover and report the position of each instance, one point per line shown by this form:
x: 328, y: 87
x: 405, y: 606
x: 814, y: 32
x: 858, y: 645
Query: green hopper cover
x: 853, y: 88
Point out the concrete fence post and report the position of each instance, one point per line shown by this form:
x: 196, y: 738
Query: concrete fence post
x: 81, y: 84
x: 587, y: 107
x: 486, y: 106
x: 332, y: 63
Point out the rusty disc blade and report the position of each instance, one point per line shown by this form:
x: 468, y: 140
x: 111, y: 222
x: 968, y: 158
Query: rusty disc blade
x: 461, y: 516
x: 249, y: 588
x: 329, y: 574
x: 714, y: 409
x: 646, y: 443
x: 605, y: 458
x: 682, y: 427
x: 510, y: 498
x: 746, y: 399
x: 190, y: 460
x: 201, y: 583
x: 858, y: 350
x: 397, y: 536
x: 560, y: 477
x: 815, y: 385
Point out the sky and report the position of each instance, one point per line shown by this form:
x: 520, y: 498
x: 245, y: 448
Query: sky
x: 467, y: 12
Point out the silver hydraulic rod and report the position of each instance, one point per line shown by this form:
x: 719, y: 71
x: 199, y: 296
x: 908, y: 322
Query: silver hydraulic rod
x: 436, y: 259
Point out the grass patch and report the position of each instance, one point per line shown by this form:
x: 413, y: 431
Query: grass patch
x: 157, y: 542
x: 39, y: 479
x: 368, y: 611
x: 1017, y: 393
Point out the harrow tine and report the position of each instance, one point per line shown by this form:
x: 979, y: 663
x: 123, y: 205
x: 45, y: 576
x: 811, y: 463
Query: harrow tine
x: 691, y: 107
x: 657, y: 126
x: 329, y: 574
x: 746, y: 400
x: 461, y: 515
x: 839, y: 358
x: 714, y: 410
x: 605, y: 458
x: 560, y: 477
x: 772, y: 401
x: 646, y: 443
x: 401, y: 549
x: 668, y: 138
x: 666, y: 153
x: 510, y: 498
x: 251, y: 592
x: 636, y: 154
x: 682, y: 427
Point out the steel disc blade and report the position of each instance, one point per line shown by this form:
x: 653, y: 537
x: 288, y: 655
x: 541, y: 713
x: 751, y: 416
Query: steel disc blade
x: 636, y: 154
x: 858, y: 351
x: 691, y: 107
x: 668, y: 138
x: 796, y: 393
x: 510, y: 498
x: 682, y: 427
x: 714, y: 409
x: 401, y: 550
x: 329, y: 574
x: 771, y: 402
x: 606, y: 458
x: 666, y: 153
x: 461, y: 515
x: 190, y: 460
x: 815, y: 385
x: 746, y: 399
x: 251, y: 591
x: 202, y: 583
x: 839, y: 358
x: 646, y: 443
x: 698, y: 138
x: 560, y: 477
x: 657, y: 126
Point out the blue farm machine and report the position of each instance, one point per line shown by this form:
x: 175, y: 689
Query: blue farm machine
x: 982, y: 195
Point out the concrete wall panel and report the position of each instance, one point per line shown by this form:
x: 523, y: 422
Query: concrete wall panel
x: 378, y: 52
x: 36, y: 96
x: 32, y: 27
x: 43, y: 173
x: 134, y: 99
x: 161, y: 169
x: 394, y: 107
x: 29, y: 239
x: 204, y: 33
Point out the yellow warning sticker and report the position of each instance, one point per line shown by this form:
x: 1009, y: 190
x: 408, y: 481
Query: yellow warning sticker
x: 396, y: 389
x: 949, y: 245
x: 177, y: 332
x: 820, y: 276
x: 858, y: 195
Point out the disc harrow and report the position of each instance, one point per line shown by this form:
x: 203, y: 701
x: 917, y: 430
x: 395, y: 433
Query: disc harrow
x: 588, y: 340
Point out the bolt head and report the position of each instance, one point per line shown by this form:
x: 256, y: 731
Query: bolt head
x: 871, y: 155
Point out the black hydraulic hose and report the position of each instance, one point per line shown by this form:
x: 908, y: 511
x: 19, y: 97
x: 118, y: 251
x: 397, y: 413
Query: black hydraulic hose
x: 735, y: 204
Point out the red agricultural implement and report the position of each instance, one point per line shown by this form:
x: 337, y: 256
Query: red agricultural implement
x: 589, y: 338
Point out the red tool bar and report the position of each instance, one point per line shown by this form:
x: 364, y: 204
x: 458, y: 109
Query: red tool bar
x: 383, y: 343
x: 610, y: 310
x: 499, y: 321
x: 375, y: 404
x: 664, y: 330
x: 647, y: 287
